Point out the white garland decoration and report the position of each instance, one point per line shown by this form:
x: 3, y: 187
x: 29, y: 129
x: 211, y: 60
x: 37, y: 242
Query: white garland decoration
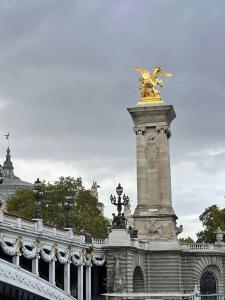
x: 76, y: 258
x: 48, y: 257
x: 63, y: 259
x: 9, y: 250
x: 87, y: 260
x: 29, y: 254
x: 98, y: 260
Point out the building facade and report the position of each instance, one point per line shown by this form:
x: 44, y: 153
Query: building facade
x: 10, y: 182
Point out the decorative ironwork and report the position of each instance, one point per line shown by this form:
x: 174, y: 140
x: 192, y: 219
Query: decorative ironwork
x: 68, y: 206
x: 208, y: 284
x: 119, y: 221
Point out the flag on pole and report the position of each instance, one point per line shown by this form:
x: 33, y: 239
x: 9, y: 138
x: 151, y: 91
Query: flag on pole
x: 7, y: 136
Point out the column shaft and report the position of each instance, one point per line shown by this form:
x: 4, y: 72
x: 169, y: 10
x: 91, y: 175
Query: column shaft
x: 16, y: 260
x: 52, y: 272
x: 88, y: 283
x: 35, y: 266
x: 67, y: 277
x: 80, y: 282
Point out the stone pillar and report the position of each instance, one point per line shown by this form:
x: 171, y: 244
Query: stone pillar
x: 80, y: 282
x: 67, y: 277
x: 16, y: 259
x: 35, y: 265
x: 154, y: 216
x: 52, y: 272
x: 88, y: 283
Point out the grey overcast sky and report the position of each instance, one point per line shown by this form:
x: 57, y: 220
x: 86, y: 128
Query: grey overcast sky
x: 66, y: 79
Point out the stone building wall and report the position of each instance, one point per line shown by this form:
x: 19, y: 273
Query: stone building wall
x: 163, y: 271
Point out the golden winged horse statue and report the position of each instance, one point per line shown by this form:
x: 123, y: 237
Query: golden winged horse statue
x: 148, y: 83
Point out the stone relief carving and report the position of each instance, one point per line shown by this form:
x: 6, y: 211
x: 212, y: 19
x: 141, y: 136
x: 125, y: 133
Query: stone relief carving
x: 117, y: 276
x: 11, y: 274
x: 152, y: 227
x: 152, y: 149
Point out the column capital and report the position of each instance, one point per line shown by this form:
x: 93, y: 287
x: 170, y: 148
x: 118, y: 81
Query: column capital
x: 164, y: 130
x: 139, y: 130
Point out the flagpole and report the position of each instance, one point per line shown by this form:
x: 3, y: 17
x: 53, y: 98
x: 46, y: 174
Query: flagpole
x: 7, y: 137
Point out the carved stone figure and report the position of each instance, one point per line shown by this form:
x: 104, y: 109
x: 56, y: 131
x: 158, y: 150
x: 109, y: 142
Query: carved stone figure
x: 179, y: 229
x: 117, y: 277
x: 127, y: 209
x: 153, y: 228
x: 94, y: 189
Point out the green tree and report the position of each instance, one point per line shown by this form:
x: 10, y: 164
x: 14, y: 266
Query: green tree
x: 85, y: 213
x: 187, y: 239
x: 212, y: 218
x: 21, y: 204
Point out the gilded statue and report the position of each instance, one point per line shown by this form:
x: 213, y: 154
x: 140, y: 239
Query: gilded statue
x: 149, y: 82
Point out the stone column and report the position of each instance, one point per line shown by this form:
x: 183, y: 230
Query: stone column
x: 154, y: 216
x: 52, y: 272
x: 67, y: 277
x: 80, y: 282
x: 16, y: 259
x: 35, y: 265
x: 88, y: 282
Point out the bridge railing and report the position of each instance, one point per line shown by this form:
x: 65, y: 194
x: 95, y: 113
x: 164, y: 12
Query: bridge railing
x: 98, y: 242
x: 18, y: 224
x: 202, y: 247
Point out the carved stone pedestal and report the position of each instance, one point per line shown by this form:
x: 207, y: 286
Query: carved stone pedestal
x: 119, y: 237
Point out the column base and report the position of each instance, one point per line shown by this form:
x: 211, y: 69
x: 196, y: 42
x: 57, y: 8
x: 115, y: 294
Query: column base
x: 160, y: 227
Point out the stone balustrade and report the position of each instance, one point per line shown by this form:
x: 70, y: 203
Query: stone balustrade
x: 99, y: 242
x: 202, y: 247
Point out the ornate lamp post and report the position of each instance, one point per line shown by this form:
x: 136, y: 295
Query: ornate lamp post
x: 1, y: 175
x: 119, y: 221
x: 38, y: 195
x: 68, y: 205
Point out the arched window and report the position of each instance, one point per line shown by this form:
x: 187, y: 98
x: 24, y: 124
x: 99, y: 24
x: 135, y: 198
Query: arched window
x: 138, y: 281
x: 208, y: 283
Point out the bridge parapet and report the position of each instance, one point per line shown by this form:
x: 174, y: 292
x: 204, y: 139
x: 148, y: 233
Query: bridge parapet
x: 203, y: 247
x: 36, y: 227
x: 34, y: 241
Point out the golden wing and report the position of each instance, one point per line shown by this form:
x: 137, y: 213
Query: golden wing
x: 144, y: 73
x: 166, y: 74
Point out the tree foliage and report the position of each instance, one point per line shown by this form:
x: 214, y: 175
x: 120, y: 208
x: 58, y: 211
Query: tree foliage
x: 85, y: 213
x: 21, y: 204
x: 187, y: 240
x: 212, y: 218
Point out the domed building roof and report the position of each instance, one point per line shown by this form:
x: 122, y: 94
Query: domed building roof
x: 10, y: 182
